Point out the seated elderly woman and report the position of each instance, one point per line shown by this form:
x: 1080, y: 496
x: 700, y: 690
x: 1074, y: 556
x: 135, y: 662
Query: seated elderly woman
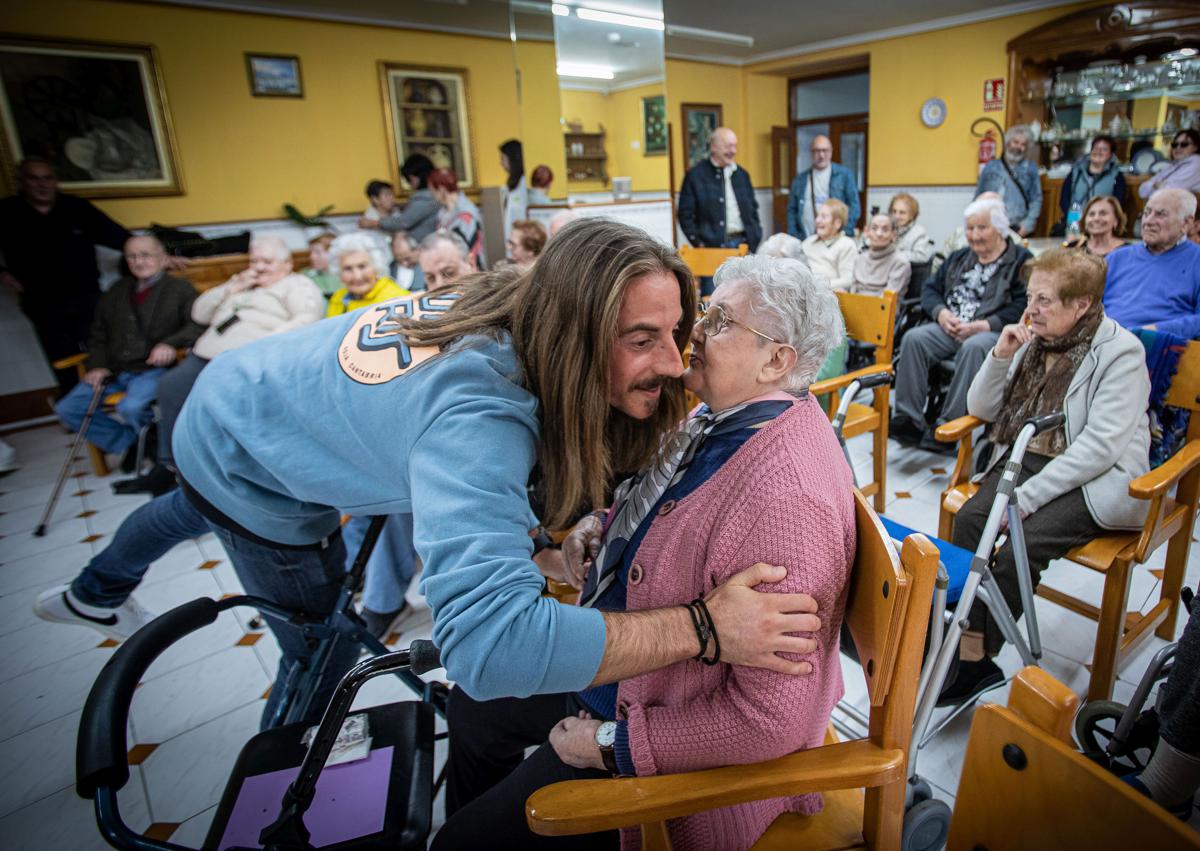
x: 976, y: 292
x: 830, y: 252
x: 783, y: 246
x: 755, y: 476
x: 881, y: 267
x: 912, y: 240
x: 265, y: 298
x: 361, y: 266
x: 459, y: 214
x: 318, y: 270
x: 1064, y: 355
x: 1103, y: 225
x: 526, y: 241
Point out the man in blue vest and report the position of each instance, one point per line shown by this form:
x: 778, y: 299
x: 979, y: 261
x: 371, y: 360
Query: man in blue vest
x: 814, y: 186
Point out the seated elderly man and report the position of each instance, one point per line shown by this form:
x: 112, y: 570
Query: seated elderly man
x: 444, y: 258
x: 362, y: 268
x: 1157, y: 284
x: 976, y: 292
x: 1063, y: 355
x: 138, y: 324
x: 266, y: 298
x: 881, y: 267
x: 754, y: 476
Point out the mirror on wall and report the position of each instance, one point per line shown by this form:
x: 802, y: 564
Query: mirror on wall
x: 604, y: 132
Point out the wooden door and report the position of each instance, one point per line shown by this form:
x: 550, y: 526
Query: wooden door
x: 849, y: 138
x: 783, y: 170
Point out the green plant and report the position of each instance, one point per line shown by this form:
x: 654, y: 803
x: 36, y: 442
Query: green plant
x: 308, y: 221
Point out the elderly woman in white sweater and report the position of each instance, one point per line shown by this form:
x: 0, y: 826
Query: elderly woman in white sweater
x: 912, y: 240
x: 266, y: 298
x: 1063, y: 355
x: 881, y: 267
x: 830, y: 252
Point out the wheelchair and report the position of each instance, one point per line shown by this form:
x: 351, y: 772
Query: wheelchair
x: 962, y: 578
x: 281, y: 795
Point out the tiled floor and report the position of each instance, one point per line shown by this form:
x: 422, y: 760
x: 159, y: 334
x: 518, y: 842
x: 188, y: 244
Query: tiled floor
x: 201, y: 700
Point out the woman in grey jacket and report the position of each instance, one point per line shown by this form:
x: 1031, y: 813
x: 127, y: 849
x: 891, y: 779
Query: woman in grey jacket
x: 1064, y: 355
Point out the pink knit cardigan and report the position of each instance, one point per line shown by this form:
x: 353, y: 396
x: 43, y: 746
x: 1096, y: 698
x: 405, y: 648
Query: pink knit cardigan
x: 783, y: 498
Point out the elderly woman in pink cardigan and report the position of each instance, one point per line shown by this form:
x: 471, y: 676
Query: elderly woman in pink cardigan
x: 754, y: 478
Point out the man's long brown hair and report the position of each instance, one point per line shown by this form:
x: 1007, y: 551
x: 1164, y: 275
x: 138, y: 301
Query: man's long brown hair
x: 562, y: 315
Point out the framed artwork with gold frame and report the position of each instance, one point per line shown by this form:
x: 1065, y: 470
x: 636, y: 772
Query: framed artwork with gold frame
x: 96, y: 110
x: 426, y: 111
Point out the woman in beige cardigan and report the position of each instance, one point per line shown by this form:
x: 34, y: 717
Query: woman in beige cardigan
x: 1064, y: 355
x: 266, y: 298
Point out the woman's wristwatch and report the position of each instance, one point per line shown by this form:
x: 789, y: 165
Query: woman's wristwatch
x: 606, y: 735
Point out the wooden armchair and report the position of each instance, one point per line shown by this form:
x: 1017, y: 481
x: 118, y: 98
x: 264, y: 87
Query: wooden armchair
x: 869, y: 319
x: 704, y: 262
x: 110, y: 400
x: 888, y: 611
x: 1023, y: 785
x: 1170, y: 520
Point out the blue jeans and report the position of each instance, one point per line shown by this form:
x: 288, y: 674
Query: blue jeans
x: 144, y: 536
x: 308, y: 580
x: 107, y: 432
x: 392, y: 564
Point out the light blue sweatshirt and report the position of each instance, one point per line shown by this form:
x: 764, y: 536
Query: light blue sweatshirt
x: 277, y: 432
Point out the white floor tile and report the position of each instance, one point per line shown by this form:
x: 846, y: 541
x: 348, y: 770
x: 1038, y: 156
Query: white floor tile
x: 41, y: 570
x: 43, y: 643
x: 49, y: 692
x: 186, y: 775
x: 65, y: 820
x: 194, y: 694
x: 44, y: 761
x: 191, y: 833
x: 62, y: 532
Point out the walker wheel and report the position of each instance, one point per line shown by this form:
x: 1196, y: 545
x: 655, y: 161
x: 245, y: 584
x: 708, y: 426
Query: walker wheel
x: 916, y: 791
x: 1095, y: 726
x: 926, y: 826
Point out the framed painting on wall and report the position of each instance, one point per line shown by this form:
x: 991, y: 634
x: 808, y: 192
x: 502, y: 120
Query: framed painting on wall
x: 426, y: 113
x: 699, y: 121
x: 98, y: 112
x: 654, y: 125
x: 274, y: 76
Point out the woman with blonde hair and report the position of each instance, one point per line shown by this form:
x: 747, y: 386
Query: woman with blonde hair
x: 1103, y: 224
x: 830, y: 252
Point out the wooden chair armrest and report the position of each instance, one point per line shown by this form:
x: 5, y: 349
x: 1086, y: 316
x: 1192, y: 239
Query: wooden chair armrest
x: 840, y: 382
x: 73, y: 360
x: 954, y: 430
x: 1160, y: 480
x: 1044, y: 702
x: 585, y: 806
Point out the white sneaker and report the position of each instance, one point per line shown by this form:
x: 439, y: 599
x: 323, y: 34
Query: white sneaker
x: 8, y: 458
x: 59, y: 605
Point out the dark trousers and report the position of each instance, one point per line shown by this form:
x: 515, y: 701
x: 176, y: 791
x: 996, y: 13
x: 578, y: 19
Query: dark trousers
x: 63, y: 331
x: 1180, y: 708
x: 173, y: 391
x: 1050, y: 533
x: 488, y: 778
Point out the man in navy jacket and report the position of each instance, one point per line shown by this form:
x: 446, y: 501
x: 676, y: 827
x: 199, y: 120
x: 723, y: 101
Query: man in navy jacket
x: 814, y: 186
x: 717, y: 208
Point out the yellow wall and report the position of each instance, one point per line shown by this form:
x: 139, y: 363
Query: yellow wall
x: 620, y: 114
x: 951, y: 64
x: 243, y: 157
x: 540, y: 112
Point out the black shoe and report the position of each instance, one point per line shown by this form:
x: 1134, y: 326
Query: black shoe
x: 379, y: 624
x: 129, y: 459
x: 905, y: 431
x: 930, y: 443
x: 157, y: 482
x: 973, y: 679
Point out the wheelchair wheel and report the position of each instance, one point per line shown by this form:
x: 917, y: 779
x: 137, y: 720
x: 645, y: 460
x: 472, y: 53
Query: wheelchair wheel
x: 926, y: 826
x: 1095, y: 726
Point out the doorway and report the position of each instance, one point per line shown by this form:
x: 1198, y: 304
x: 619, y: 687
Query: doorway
x: 833, y: 105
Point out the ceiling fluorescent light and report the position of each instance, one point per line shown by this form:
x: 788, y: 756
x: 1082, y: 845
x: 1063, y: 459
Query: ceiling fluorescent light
x: 710, y: 35
x: 592, y: 72
x: 560, y: 10
x: 619, y: 19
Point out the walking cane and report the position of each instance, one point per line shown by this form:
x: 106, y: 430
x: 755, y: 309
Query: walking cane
x: 97, y: 394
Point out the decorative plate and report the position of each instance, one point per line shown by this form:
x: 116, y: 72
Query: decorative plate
x: 933, y: 112
x: 1144, y: 159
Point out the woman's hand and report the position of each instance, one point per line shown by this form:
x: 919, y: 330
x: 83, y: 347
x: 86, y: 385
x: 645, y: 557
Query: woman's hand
x: 1004, y: 519
x: 1012, y: 338
x: 368, y: 224
x: 580, y: 548
x: 574, y: 740
x: 970, y: 329
x: 949, y: 322
x: 243, y: 281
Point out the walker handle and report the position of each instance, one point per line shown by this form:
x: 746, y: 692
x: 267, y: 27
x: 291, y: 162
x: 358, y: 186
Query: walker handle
x: 1046, y: 422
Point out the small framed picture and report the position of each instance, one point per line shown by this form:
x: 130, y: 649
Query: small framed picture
x: 274, y: 76
x: 699, y: 122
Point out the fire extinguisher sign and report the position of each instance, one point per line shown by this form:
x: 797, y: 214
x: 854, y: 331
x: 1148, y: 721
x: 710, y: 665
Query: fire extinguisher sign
x: 993, y: 95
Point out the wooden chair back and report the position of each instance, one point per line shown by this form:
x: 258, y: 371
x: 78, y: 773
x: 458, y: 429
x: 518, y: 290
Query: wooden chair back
x: 1023, y: 786
x: 1185, y: 386
x: 704, y: 262
x: 871, y: 319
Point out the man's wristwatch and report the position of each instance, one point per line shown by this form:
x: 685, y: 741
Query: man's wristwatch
x: 606, y: 734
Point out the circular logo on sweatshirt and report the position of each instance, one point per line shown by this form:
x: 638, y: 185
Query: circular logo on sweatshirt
x: 374, y: 350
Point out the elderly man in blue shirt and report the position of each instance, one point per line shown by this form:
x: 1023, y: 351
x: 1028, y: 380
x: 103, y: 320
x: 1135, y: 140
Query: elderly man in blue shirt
x: 1015, y: 179
x: 813, y: 187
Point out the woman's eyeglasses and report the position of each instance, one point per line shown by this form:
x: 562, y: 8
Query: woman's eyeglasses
x: 714, y: 320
